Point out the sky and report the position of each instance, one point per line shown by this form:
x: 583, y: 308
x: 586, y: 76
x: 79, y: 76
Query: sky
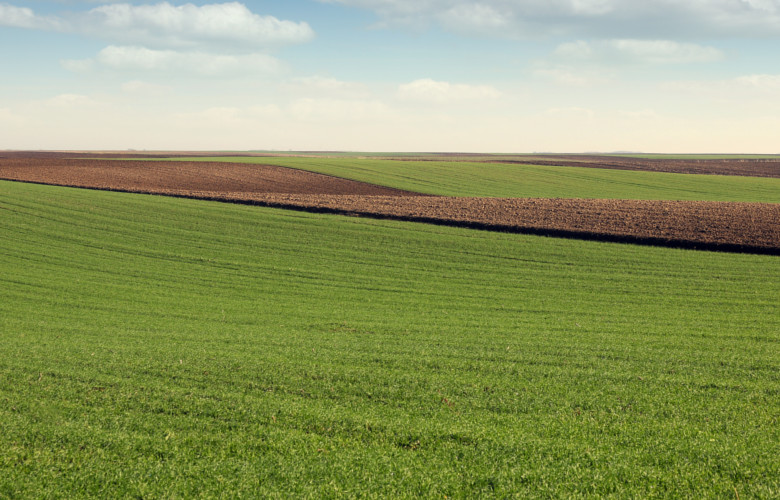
x: 501, y: 76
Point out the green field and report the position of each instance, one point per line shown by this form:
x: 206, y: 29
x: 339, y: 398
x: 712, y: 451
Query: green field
x: 451, y: 178
x: 155, y: 347
x: 509, y: 156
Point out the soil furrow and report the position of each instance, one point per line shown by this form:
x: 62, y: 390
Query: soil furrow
x: 736, y: 227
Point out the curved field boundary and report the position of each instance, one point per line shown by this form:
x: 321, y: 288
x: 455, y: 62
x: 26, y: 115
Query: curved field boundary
x: 527, y: 180
x: 741, y: 167
x: 722, y: 226
x: 175, y: 177
x: 713, y: 226
x: 731, y: 165
x: 275, y: 348
x: 761, y: 241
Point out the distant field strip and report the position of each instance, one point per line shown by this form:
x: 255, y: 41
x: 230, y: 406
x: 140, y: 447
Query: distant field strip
x: 700, y: 157
x: 711, y: 225
x: 528, y: 181
x: 158, y: 347
x: 707, y: 225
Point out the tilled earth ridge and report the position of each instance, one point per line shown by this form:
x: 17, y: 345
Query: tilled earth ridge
x: 747, y: 227
x: 751, y: 227
x: 739, y: 167
x: 182, y: 177
x: 748, y: 167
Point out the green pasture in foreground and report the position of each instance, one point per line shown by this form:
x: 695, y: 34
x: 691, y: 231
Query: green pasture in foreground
x: 156, y: 347
x: 451, y: 178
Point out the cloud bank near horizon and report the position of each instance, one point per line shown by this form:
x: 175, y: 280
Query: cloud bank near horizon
x: 467, y: 75
x: 583, y: 18
x: 164, y: 25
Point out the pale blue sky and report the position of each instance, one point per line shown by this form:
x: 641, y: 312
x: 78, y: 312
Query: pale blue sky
x: 392, y: 75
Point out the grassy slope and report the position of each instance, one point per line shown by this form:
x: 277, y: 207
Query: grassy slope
x: 511, y: 180
x: 161, y: 347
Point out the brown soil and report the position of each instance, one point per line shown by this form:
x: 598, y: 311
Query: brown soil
x: 181, y: 178
x: 745, y: 227
x: 763, y: 167
x: 740, y: 227
x: 743, y: 167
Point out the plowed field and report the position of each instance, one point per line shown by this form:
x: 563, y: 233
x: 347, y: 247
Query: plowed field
x: 729, y: 166
x: 178, y: 178
x: 751, y: 227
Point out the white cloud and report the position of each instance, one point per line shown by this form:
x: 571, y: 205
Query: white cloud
x: 123, y: 58
x: 138, y: 87
x: 70, y: 101
x: 326, y: 86
x: 743, y: 96
x: 649, y: 19
x: 427, y: 90
x: 642, y: 114
x: 188, y: 25
x: 338, y: 110
x: 757, y: 85
x: 370, y: 126
x: 164, y: 25
x: 571, y: 112
x: 575, y: 50
x: 592, y: 7
x: 12, y: 126
x: 8, y: 117
x: 18, y: 17
x: 78, y: 65
x: 638, y: 51
x: 571, y: 77
x: 475, y: 17
x: 761, y: 82
x: 223, y: 115
x: 666, y: 51
x: 264, y: 111
x: 216, y: 116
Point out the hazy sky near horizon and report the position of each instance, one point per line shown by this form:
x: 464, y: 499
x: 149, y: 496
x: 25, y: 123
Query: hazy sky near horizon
x: 677, y: 76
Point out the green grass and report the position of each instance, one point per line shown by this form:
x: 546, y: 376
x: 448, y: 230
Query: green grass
x: 451, y: 178
x: 157, y: 347
x: 508, y: 156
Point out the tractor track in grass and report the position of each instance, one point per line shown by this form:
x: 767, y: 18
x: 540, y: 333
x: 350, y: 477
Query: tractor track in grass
x: 722, y: 226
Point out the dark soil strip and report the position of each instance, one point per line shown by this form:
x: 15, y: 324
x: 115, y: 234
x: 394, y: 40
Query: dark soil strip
x: 732, y: 227
x: 740, y: 167
x: 761, y: 167
x: 181, y: 177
